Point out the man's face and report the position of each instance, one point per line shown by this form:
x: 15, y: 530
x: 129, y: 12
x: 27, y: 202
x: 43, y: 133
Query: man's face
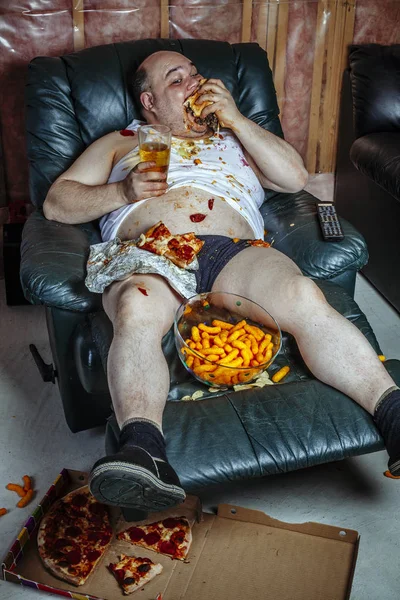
x: 173, y: 78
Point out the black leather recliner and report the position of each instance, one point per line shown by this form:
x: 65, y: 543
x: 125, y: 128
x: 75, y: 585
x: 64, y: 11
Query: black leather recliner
x: 367, y: 191
x: 75, y: 99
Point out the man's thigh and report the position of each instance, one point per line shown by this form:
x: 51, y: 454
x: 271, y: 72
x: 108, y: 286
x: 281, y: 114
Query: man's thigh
x: 142, y: 297
x: 263, y: 275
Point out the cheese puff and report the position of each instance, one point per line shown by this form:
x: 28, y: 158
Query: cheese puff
x: 270, y: 346
x: 206, y: 344
x: 247, y: 356
x: 199, y: 346
x: 196, y: 362
x: 26, y: 499
x: 268, y: 337
x: 236, y: 362
x: 235, y: 379
x: 260, y: 358
x: 14, y: 487
x: 254, y: 344
x: 258, y: 334
x: 204, y: 369
x: 218, y: 341
x: 213, y: 350
x: 204, y: 335
x: 382, y: 357
x: 280, y: 374
x: 209, y: 329
x: 262, y: 346
x: 239, y: 344
x: 243, y: 377
x: 230, y: 356
x: 223, y: 336
x: 213, y: 357
x: 222, y: 324
x: 268, y: 356
x: 190, y: 361
x: 195, y: 334
x: 254, y: 363
x: 27, y: 482
x: 3, y: 511
x: 228, y: 348
x: 192, y: 345
x: 238, y: 326
x: 235, y: 335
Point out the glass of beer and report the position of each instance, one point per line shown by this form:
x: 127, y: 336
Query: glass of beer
x: 155, y: 146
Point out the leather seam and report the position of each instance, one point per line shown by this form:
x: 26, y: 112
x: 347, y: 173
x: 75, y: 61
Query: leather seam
x: 247, y: 433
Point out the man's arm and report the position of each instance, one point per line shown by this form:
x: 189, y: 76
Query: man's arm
x: 277, y: 164
x: 82, y: 194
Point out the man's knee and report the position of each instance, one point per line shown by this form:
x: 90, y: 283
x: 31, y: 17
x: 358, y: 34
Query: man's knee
x: 304, y: 293
x: 132, y: 303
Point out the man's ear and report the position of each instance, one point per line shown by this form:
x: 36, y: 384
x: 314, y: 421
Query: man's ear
x: 146, y: 98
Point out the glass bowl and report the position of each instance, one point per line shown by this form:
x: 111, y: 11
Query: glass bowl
x: 224, y: 339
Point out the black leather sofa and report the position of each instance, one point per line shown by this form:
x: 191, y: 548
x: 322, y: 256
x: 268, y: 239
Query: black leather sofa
x: 73, y: 100
x: 367, y: 191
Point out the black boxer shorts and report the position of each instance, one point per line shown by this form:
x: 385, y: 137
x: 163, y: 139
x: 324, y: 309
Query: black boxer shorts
x: 217, y: 251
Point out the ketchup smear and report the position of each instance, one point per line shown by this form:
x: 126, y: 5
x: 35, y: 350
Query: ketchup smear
x: 197, y: 217
x: 127, y: 132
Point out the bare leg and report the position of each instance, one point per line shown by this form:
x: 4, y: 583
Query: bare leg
x: 334, y: 349
x: 138, y: 476
x: 137, y: 371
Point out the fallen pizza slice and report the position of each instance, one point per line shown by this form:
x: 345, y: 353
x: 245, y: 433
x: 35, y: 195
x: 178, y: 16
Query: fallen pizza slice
x: 172, y: 536
x: 180, y: 249
x: 133, y: 572
x: 74, y: 535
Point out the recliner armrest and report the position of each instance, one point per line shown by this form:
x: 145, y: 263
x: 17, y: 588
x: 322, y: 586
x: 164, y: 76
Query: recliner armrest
x: 293, y: 228
x: 53, y: 263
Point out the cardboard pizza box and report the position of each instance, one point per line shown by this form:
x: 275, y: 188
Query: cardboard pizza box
x: 237, y: 553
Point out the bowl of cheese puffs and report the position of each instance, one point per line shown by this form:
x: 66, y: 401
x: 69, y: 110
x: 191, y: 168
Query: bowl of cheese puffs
x: 224, y: 339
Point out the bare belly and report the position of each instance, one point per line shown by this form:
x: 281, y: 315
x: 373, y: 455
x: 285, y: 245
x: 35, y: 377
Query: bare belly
x: 176, y: 207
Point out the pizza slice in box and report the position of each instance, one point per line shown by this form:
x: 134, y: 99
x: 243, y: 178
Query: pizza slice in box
x: 172, y: 537
x: 133, y: 572
x: 180, y: 249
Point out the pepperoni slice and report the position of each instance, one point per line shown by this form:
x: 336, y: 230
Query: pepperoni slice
x: 79, y: 500
x: 93, y: 555
x: 136, y: 534
x: 167, y: 548
x: 73, y: 557
x: 178, y: 537
x: 73, y: 531
x: 170, y: 523
x: 61, y: 543
x: 152, y: 538
x: 118, y: 572
x: 144, y: 568
x: 197, y: 217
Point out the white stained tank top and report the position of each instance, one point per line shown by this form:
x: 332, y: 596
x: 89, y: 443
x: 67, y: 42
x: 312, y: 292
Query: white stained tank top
x: 216, y: 165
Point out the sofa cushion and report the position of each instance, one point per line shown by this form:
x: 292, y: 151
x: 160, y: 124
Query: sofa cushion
x: 377, y: 155
x: 375, y: 80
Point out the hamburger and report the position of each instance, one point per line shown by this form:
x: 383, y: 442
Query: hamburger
x: 193, y: 111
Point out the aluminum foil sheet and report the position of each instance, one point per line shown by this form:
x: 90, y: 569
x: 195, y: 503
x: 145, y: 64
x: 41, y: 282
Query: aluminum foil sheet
x: 116, y: 260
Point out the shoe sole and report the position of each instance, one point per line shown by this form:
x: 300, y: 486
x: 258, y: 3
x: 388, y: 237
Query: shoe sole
x: 131, y: 486
x: 394, y: 468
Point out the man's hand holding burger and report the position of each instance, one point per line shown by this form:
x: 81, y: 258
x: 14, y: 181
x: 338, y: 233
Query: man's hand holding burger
x: 141, y: 183
x: 223, y: 105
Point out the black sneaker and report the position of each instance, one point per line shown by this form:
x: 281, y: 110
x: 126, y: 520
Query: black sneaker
x: 132, y: 478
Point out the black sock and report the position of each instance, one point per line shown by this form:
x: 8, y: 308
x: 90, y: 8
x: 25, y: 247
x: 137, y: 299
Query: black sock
x: 387, y: 419
x: 146, y: 435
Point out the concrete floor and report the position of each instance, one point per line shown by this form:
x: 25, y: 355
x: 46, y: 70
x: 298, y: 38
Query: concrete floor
x: 34, y: 439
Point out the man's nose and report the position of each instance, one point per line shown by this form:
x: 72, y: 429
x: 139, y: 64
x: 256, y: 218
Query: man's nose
x: 194, y: 82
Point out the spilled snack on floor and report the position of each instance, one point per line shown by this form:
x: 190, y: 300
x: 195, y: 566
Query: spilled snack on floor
x: 25, y: 492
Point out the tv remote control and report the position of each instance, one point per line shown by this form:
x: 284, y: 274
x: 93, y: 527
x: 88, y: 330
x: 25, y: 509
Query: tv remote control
x: 329, y: 222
